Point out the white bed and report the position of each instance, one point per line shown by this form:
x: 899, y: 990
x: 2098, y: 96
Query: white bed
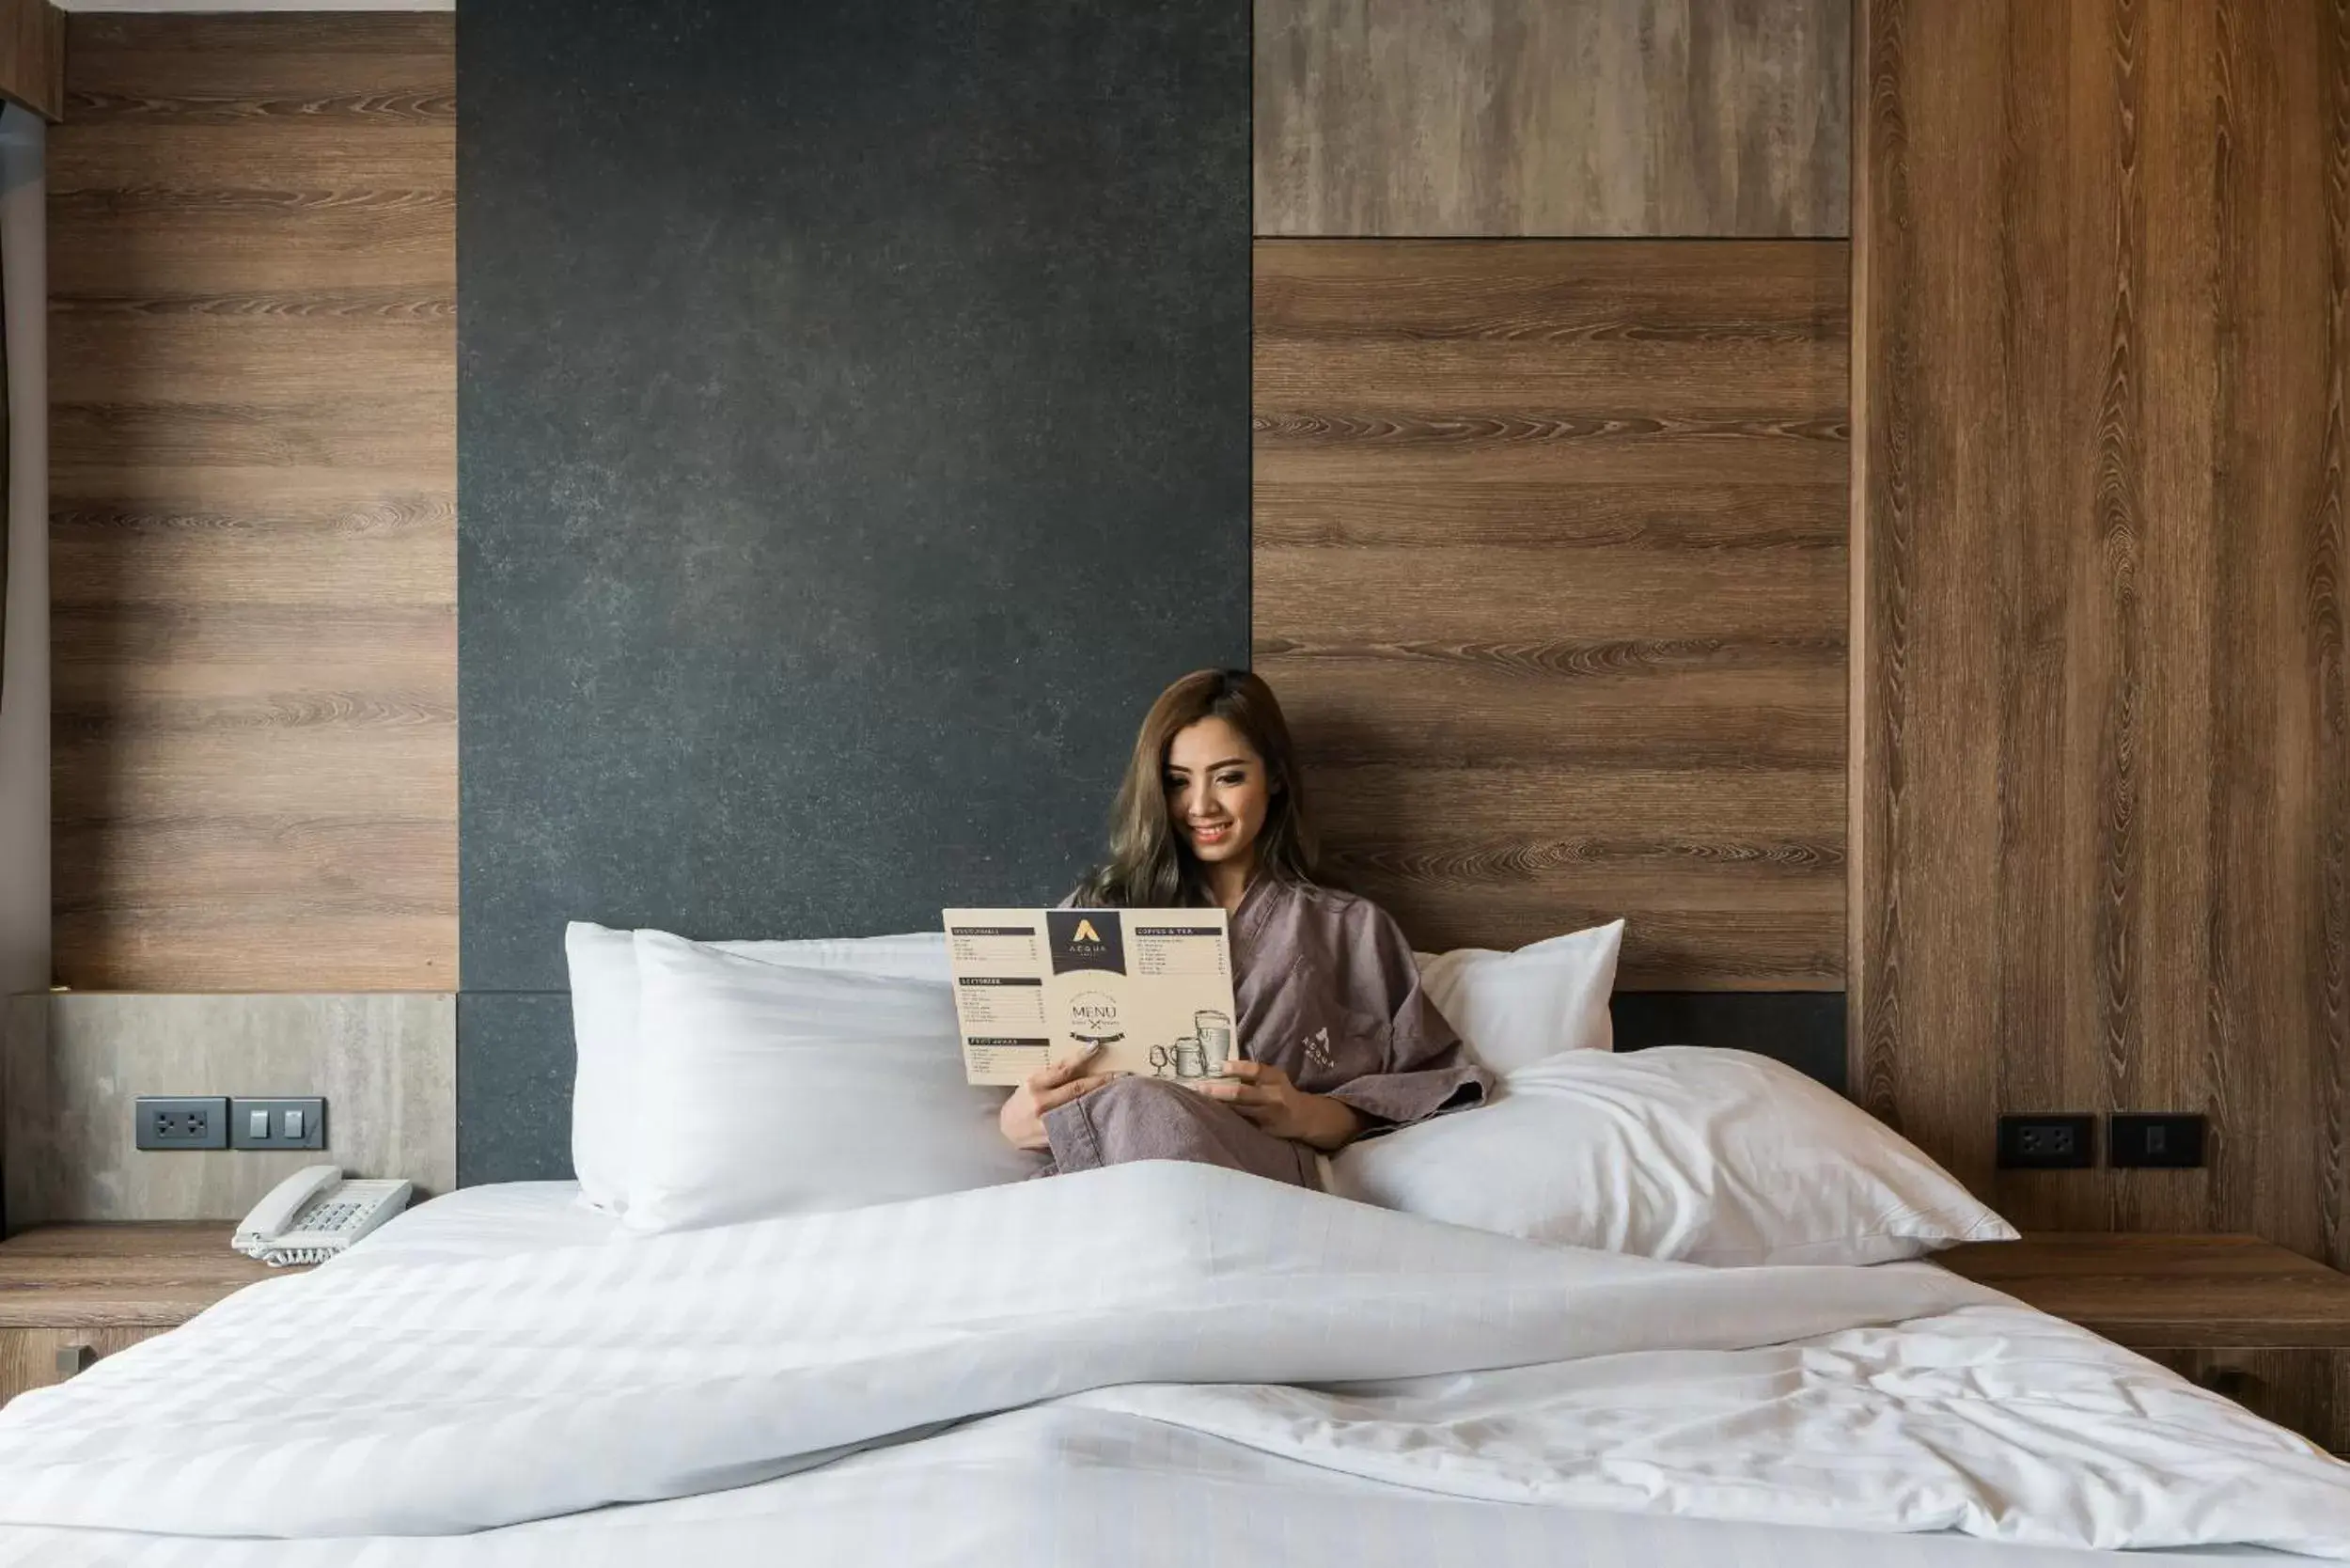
x: 1093, y: 1371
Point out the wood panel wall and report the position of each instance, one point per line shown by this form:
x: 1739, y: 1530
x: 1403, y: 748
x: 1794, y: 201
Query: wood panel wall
x: 32, y: 56
x: 1551, y: 576
x: 253, y: 368
x: 1635, y: 118
x: 2102, y: 836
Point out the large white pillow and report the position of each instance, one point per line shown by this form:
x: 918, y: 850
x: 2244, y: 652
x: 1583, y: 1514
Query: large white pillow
x: 771, y: 1089
x: 1712, y: 1156
x: 1516, y: 1008
x: 603, y: 967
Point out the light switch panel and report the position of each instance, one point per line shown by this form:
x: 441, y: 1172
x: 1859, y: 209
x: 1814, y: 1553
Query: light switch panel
x: 287, y: 1124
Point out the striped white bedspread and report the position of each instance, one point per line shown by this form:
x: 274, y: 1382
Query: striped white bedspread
x: 1141, y: 1330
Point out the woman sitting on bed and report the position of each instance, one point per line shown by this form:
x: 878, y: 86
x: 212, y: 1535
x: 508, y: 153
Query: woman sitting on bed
x: 1338, y: 1037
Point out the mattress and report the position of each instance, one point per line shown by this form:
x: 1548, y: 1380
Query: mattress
x: 537, y: 1342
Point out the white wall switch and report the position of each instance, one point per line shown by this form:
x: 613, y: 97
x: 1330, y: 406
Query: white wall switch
x: 288, y: 1122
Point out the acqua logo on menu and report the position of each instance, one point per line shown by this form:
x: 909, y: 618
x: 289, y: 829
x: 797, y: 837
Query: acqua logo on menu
x: 1086, y: 939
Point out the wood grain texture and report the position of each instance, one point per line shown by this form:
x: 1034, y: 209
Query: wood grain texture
x: 2148, y: 1256
x: 156, y: 1275
x: 2102, y: 847
x: 2240, y: 1316
x: 2170, y: 1291
x: 2306, y: 1391
x: 1550, y: 573
x: 72, y: 1293
x: 1693, y: 117
x: 253, y: 448
x: 37, y: 1357
x: 32, y: 56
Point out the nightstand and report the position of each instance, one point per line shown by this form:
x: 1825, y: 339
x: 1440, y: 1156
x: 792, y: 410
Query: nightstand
x: 70, y: 1293
x: 2265, y: 1326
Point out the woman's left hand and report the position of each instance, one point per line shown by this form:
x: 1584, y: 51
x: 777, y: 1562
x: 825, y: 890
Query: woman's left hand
x: 1263, y: 1093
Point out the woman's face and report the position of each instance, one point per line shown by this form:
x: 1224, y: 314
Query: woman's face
x: 1216, y: 791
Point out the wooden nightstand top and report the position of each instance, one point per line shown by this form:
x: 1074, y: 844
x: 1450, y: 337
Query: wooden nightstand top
x: 126, y: 1276
x: 2169, y: 1292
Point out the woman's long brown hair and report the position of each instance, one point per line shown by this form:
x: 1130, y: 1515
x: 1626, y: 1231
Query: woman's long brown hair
x: 1149, y: 866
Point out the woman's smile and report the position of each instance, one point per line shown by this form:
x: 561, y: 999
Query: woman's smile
x: 1217, y: 799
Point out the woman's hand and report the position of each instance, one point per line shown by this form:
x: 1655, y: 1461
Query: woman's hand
x: 1023, y: 1116
x: 1263, y: 1093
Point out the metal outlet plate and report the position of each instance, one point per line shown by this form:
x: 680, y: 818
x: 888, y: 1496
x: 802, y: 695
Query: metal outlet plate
x: 179, y: 1121
x: 294, y: 1123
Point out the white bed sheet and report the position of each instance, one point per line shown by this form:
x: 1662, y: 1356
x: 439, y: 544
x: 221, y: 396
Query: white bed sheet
x: 1053, y: 1487
x: 1156, y: 1473
x: 501, y: 1219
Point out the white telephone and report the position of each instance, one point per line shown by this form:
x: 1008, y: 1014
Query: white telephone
x: 315, y: 1214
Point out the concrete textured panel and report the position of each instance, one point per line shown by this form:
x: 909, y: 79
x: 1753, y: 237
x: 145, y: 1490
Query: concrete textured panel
x: 385, y: 1062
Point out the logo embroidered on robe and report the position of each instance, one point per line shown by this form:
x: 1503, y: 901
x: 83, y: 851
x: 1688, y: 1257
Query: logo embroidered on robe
x: 1317, y: 1047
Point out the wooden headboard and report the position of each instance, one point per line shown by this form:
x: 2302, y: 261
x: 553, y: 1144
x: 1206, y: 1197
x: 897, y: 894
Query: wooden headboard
x: 1550, y: 574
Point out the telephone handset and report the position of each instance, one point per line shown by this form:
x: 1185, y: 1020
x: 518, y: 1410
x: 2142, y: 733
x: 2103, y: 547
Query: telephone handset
x: 315, y: 1214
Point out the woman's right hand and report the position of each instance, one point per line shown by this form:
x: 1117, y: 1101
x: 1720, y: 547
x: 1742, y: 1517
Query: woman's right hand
x: 1023, y: 1116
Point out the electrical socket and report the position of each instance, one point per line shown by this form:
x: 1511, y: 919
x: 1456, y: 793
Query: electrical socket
x: 296, y: 1123
x: 179, y: 1121
x: 2050, y: 1143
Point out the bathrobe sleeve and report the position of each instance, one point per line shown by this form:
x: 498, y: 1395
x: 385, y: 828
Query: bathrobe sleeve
x: 1328, y: 993
x: 1422, y: 1068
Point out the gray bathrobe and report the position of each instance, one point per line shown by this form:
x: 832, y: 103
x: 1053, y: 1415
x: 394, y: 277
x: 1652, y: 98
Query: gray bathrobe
x: 1328, y: 994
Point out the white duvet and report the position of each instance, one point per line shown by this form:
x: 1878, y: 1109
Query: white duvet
x: 1106, y: 1363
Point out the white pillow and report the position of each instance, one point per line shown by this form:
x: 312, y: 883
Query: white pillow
x: 1516, y: 1008
x: 1712, y: 1156
x: 770, y: 1088
x: 603, y: 1030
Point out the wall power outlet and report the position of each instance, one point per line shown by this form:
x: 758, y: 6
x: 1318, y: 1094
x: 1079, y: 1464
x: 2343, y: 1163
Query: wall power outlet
x: 2048, y: 1142
x: 181, y: 1121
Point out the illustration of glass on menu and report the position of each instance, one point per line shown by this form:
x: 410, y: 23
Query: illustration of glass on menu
x: 1214, y: 1031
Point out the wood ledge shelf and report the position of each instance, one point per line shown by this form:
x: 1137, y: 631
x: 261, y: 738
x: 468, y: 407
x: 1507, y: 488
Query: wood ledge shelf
x: 71, y: 1293
x: 2245, y: 1318
x: 2169, y: 1292
x: 148, y: 1275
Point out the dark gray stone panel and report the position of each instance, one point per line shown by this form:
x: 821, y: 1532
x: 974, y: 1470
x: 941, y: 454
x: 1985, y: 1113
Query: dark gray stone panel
x: 854, y: 413
x: 514, y: 1063
x: 854, y: 436
x: 1802, y: 1029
